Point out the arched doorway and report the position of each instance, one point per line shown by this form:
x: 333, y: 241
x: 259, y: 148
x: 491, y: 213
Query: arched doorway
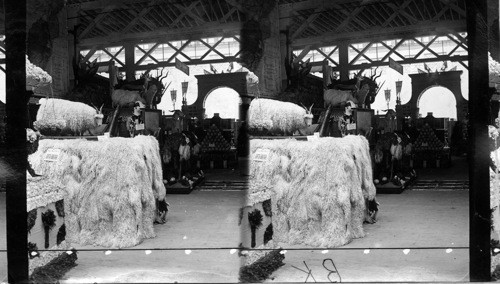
x: 423, y: 81
x: 438, y: 100
x: 206, y: 83
x: 224, y: 101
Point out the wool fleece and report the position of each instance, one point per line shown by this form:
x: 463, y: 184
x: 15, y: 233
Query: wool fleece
x: 276, y: 116
x: 64, y: 116
x: 317, y: 188
x: 110, y: 185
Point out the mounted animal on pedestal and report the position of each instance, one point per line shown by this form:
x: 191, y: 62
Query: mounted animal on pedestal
x: 361, y: 90
x: 148, y: 90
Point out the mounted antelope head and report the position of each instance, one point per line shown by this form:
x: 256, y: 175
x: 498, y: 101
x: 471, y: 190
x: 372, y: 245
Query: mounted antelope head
x: 99, y: 116
x: 308, y: 117
x: 155, y: 99
x: 374, y: 87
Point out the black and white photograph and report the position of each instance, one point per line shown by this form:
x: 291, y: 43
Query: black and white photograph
x: 249, y: 141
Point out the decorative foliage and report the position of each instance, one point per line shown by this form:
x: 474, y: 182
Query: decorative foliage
x: 31, y: 219
x: 257, y: 9
x: 266, y: 205
x: 255, y: 220
x: 61, y: 234
x: 296, y: 71
x: 262, y: 268
x: 53, y: 271
x: 251, y: 46
x: 33, y: 250
x: 240, y: 219
x: 60, y: 208
x: 91, y: 88
x: 49, y: 221
x: 268, y: 234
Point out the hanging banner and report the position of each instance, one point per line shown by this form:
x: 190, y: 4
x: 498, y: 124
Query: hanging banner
x: 396, y: 66
x: 181, y: 66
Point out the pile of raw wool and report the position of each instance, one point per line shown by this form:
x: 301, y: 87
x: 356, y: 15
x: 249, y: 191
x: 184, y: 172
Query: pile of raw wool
x: 276, y: 116
x: 111, y: 187
x: 60, y: 117
x: 41, y: 191
x: 494, y: 70
x: 36, y: 76
x: 317, y: 188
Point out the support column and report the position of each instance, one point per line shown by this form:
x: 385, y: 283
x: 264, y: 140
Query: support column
x: 478, y: 155
x: 327, y: 73
x: 344, y: 61
x: 284, y: 52
x: 73, y: 50
x: 129, y: 61
x: 14, y: 155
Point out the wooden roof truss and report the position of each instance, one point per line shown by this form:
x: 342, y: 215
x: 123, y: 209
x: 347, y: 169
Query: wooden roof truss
x: 113, y: 21
x: 404, y: 50
x: 328, y: 22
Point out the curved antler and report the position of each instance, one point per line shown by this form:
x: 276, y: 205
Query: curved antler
x: 376, y: 77
x: 164, y: 76
x: 373, y: 74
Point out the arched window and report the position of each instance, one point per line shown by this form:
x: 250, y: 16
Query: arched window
x: 224, y: 101
x: 438, y: 100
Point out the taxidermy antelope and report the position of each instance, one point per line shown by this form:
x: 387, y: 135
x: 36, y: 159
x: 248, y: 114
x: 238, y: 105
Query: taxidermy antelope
x: 308, y: 117
x: 150, y: 94
x: 99, y: 116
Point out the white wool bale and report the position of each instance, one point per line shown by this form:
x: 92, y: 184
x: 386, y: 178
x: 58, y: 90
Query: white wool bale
x: 110, y: 185
x: 276, y: 115
x: 72, y: 117
x: 317, y: 188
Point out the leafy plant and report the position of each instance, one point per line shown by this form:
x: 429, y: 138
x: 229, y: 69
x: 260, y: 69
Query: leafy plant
x: 268, y: 234
x: 49, y: 221
x: 255, y: 220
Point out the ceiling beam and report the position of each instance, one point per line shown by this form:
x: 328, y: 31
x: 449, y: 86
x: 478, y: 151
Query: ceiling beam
x: 189, y: 11
x: 312, y: 17
x: 400, y: 10
x: 456, y: 58
x: 172, y: 64
x: 97, y: 20
x: 183, y: 14
x: 351, y: 16
x: 138, y: 17
x: 99, y: 4
x: 286, y: 9
x: 207, y: 30
x: 421, y: 29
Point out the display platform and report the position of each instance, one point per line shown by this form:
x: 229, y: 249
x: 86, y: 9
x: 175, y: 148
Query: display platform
x: 391, y: 188
x: 179, y: 188
x: 112, y: 187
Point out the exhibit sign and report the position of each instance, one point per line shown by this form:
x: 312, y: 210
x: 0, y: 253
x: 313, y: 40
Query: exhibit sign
x: 261, y: 155
x: 52, y: 155
x: 395, y: 65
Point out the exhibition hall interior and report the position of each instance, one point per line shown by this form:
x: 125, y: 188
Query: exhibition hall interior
x: 227, y: 141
